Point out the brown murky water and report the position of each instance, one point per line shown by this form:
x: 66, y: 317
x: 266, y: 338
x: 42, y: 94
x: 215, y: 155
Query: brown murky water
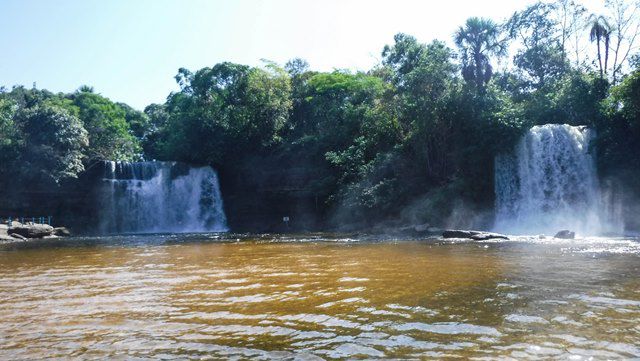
x: 321, y: 300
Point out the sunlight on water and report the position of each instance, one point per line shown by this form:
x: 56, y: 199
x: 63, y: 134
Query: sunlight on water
x: 322, y: 300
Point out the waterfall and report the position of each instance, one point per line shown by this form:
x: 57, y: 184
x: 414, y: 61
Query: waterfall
x: 549, y: 183
x: 157, y: 197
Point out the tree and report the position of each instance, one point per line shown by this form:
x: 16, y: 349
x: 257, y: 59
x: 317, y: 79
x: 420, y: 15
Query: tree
x: 296, y: 67
x: 54, y: 141
x: 225, y: 112
x: 110, y: 136
x: 543, y: 55
x: 600, y: 31
x: 635, y: 61
x: 158, y: 117
x: 7, y: 125
x: 625, y: 26
x: 534, y: 25
x: 403, y: 57
x: 86, y: 89
x: 139, y: 123
x: 570, y: 17
x: 423, y: 76
x: 618, y: 134
x: 10, y: 138
x: 478, y: 40
x: 577, y: 100
x: 348, y: 126
x: 626, y: 99
x: 339, y: 104
x: 541, y: 64
x: 300, y: 74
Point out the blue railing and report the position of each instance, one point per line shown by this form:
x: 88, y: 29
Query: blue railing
x: 23, y: 220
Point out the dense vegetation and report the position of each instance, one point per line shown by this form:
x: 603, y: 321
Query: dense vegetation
x: 412, y: 139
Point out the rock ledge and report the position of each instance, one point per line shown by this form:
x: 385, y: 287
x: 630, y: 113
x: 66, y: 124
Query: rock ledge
x: 474, y: 235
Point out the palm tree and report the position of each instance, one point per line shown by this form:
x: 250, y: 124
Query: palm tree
x: 600, y: 31
x: 478, y: 40
x: 85, y: 89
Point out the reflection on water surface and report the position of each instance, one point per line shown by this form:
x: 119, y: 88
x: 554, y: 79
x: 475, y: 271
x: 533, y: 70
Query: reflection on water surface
x: 321, y: 300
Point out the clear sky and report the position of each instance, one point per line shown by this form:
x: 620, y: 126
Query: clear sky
x: 130, y: 50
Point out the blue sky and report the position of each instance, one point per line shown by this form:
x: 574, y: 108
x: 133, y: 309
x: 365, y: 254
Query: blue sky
x: 130, y: 50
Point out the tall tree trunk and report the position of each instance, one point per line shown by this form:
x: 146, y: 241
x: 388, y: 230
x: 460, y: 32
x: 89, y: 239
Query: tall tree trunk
x: 599, y: 57
x: 606, y: 53
x: 478, y: 66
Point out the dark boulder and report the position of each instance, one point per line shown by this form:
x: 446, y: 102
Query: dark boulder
x: 32, y: 230
x: 61, y: 232
x: 452, y: 233
x: 565, y: 234
x: 482, y: 236
x: 475, y: 235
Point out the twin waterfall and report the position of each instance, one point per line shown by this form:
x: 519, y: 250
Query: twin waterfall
x: 549, y: 183
x: 159, y: 197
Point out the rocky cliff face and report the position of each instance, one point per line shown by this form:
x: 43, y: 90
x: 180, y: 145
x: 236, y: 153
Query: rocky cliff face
x: 71, y: 204
x: 259, y: 193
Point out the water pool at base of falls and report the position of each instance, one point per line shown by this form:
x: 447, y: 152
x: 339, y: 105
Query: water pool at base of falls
x: 314, y: 296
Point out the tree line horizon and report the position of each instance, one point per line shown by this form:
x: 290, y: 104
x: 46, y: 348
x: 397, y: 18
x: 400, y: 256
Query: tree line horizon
x: 418, y: 130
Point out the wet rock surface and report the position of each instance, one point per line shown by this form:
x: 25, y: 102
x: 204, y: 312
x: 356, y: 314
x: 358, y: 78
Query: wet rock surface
x: 565, y: 234
x: 26, y: 231
x: 32, y: 230
x: 474, y: 235
x: 17, y: 236
x: 61, y: 232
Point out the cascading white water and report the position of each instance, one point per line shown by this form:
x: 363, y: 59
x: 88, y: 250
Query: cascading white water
x: 155, y: 197
x: 550, y: 183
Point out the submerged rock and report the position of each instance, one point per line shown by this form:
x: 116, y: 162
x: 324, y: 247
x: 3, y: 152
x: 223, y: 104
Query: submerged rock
x: 565, y: 234
x: 475, y: 235
x: 413, y: 230
x: 457, y: 234
x: 61, y: 232
x: 32, y: 230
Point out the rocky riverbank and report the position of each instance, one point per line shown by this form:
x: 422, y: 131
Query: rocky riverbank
x: 21, y: 232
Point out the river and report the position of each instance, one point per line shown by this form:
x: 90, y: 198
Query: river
x: 315, y: 297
